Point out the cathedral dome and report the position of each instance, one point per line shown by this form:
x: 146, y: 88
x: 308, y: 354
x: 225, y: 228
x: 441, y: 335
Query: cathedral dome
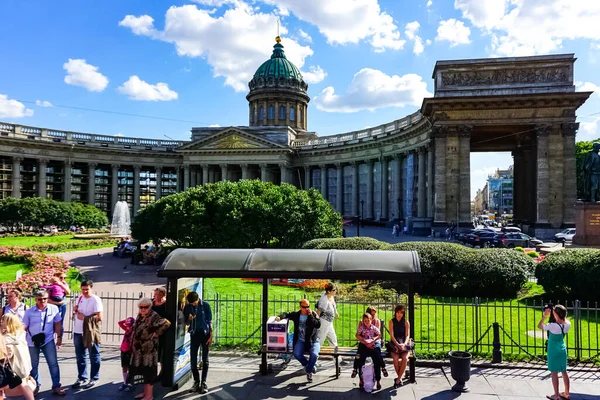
x: 278, y: 66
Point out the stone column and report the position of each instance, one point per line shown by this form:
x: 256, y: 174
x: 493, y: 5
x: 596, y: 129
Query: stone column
x: 186, y: 177
x: 339, y: 188
x: 266, y: 114
x: 287, y: 113
x: 306, y: 177
x: 263, y: 173
x: 430, y: 182
x: 542, y: 180
x: 136, y: 189
x: 276, y: 113
x: 323, y: 181
x: 204, y: 174
x: 439, y: 134
x: 16, y: 177
x: 556, y: 192
x: 464, y: 184
x: 92, y: 184
x: 42, y: 164
x: 224, y: 176
x: 421, y: 211
x: 67, y: 177
x: 284, y: 171
x: 114, y: 193
x: 569, y: 173
x: 245, y: 171
x: 369, y: 189
x: 355, y: 187
x: 397, y: 160
x: 193, y: 176
x: 158, y: 192
x: 385, y: 198
x: 305, y: 118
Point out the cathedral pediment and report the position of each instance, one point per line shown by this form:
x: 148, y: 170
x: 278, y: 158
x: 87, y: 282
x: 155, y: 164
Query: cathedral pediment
x: 232, y: 139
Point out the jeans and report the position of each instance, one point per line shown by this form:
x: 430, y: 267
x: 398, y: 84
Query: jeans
x: 309, y: 364
x: 63, y: 310
x: 80, y: 354
x: 49, y: 350
x: 197, y: 341
x: 375, y: 354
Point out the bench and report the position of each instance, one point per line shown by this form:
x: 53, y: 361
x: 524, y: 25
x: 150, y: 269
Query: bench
x: 336, y: 352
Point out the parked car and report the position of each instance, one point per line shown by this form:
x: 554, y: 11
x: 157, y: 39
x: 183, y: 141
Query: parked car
x: 511, y: 240
x: 511, y: 229
x: 565, y: 236
x: 480, y: 238
x: 462, y: 236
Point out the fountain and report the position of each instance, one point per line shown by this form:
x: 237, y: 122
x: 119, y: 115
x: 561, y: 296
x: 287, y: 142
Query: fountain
x: 121, y: 220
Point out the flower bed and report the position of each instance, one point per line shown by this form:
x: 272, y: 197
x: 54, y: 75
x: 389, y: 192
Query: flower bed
x: 72, y: 245
x: 61, y: 233
x: 43, y: 268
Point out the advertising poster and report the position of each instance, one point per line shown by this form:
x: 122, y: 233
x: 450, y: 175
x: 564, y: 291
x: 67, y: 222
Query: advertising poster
x: 182, y: 338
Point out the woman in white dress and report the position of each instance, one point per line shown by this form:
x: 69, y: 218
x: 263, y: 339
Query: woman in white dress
x: 327, y: 311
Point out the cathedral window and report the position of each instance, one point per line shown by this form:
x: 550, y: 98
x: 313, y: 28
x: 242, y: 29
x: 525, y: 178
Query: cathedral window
x: 292, y: 114
x: 282, y: 113
x: 261, y: 114
x: 271, y: 112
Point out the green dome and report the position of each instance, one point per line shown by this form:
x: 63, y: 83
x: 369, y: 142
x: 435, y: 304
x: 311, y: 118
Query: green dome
x: 278, y: 66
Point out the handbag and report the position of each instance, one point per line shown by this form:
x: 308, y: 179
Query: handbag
x: 392, y: 348
x: 39, y: 339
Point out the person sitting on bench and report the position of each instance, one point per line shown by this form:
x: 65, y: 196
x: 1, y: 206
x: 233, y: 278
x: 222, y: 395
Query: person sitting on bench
x: 399, y: 342
x: 306, y: 340
x: 372, y: 311
x: 369, y: 345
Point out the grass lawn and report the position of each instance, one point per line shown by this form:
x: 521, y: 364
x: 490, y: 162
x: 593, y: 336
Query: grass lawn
x: 440, y: 324
x: 8, y: 270
x: 32, y: 240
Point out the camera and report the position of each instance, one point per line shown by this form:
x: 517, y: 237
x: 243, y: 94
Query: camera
x: 548, y: 306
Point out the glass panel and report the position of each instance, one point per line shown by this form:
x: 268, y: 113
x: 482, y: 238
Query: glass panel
x: 282, y: 113
x: 261, y: 114
x: 271, y: 112
x: 292, y: 114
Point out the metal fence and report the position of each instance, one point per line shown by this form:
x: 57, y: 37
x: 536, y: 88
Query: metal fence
x: 441, y: 324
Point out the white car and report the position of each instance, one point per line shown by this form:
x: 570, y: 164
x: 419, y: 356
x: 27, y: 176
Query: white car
x: 565, y: 236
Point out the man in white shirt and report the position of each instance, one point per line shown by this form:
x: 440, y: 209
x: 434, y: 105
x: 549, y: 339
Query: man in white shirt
x: 87, y: 304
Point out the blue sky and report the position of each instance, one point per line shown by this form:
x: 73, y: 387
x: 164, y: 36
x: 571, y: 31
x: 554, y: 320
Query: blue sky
x: 367, y: 62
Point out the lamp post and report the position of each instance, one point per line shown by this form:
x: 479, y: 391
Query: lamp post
x: 362, y: 211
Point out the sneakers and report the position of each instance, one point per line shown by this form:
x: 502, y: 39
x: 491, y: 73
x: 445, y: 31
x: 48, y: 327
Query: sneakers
x: 79, y: 383
x: 57, y: 391
x: 203, y: 388
x: 384, y: 372
x: 91, y: 383
x: 309, y: 378
x: 195, y: 388
x: 354, y: 372
x: 129, y: 387
x: 122, y: 387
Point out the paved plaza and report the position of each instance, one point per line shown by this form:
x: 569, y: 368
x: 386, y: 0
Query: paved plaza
x: 237, y: 377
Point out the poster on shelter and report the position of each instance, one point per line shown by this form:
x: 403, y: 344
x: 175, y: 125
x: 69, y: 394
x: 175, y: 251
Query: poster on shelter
x: 182, y: 338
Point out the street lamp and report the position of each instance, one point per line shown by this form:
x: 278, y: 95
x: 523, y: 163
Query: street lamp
x: 362, y: 211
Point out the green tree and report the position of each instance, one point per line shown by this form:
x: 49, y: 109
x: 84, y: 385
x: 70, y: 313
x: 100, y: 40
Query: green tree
x: 581, y: 149
x: 243, y: 214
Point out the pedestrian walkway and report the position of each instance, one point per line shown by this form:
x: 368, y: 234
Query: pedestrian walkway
x: 236, y: 377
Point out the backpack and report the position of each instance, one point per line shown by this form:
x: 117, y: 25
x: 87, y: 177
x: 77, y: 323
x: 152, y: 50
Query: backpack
x: 368, y: 375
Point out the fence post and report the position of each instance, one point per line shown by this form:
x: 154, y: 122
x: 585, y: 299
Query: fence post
x: 476, y: 303
x: 497, y: 350
x: 577, y: 331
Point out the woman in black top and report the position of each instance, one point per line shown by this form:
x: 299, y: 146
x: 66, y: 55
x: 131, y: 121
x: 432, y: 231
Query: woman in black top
x: 399, y: 338
x: 159, y: 305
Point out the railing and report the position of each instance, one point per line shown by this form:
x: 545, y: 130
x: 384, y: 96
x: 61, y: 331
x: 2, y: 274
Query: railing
x: 365, y: 134
x: 85, y: 139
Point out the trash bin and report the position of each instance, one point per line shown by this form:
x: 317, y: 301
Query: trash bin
x: 460, y: 369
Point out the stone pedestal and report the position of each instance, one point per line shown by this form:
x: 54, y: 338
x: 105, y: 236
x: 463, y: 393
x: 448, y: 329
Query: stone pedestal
x: 587, y: 224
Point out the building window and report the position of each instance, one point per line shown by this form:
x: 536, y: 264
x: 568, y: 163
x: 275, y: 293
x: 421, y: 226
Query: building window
x: 271, y: 112
x: 261, y: 114
x: 292, y: 114
x: 282, y: 113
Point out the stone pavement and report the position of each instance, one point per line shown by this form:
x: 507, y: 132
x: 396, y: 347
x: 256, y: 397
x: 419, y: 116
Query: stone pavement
x: 238, y: 378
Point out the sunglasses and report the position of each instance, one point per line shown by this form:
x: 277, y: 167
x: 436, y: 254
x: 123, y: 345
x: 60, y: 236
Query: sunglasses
x: 144, y: 307
x: 305, y: 306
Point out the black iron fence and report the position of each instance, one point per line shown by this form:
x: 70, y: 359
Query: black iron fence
x: 441, y: 324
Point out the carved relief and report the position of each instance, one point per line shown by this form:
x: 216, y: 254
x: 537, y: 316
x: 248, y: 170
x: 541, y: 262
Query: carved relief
x: 569, y: 129
x: 18, y: 150
x: 506, y: 77
x: 234, y: 142
x: 439, y: 131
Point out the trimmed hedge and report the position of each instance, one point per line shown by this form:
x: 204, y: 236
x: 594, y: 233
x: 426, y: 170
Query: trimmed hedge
x: 351, y: 243
x: 571, y: 273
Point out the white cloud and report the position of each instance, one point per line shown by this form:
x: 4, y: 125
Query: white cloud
x: 214, y: 126
x: 588, y: 87
x: 212, y: 3
x: 12, y: 108
x: 595, y: 46
x: 43, y: 103
x: 314, y: 74
x: 347, y: 21
x: 526, y: 27
x: 234, y: 44
x: 453, y: 31
x: 589, y: 130
x: 137, y: 89
x: 371, y: 89
x: 305, y: 36
x: 410, y: 30
x: 429, y: 3
x: 80, y: 73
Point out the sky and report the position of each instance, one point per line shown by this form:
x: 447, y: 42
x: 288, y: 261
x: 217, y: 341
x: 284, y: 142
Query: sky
x: 155, y: 69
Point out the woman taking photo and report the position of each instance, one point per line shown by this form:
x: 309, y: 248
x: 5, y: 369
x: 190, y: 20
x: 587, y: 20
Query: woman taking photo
x: 399, y: 339
x: 327, y: 312
x: 557, y: 351
x: 144, y: 360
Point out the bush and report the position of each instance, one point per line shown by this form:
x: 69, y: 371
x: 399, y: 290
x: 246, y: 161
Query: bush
x: 572, y: 273
x: 519, y: 248
x: 244, y: 214
x: 533, y: 254
x: 351, y: 243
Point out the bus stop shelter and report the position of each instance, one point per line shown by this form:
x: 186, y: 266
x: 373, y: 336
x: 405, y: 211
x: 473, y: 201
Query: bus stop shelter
x: 185, y: 268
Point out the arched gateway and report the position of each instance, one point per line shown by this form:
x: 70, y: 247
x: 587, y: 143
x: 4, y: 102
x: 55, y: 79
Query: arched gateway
x: 415, y: 169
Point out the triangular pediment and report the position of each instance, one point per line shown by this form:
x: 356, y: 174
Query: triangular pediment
x: 232, y: 139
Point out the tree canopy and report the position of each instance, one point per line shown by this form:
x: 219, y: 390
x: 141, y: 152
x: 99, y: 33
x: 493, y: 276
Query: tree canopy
x: 243, y: 214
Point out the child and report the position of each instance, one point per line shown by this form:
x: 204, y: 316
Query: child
x: 369, y: 338
x: 57, y: 290
x: 126, y: 349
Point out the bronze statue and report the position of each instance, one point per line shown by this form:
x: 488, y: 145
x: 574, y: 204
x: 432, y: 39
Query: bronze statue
x: 591, y: 173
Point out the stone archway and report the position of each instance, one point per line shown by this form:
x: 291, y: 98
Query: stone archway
x: 524, y: 105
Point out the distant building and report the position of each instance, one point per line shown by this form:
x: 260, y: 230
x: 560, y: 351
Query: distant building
x: 500, y: 192
x: 481, y: 201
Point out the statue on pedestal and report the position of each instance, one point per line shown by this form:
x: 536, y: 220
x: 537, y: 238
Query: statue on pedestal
x: 591, y: 173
